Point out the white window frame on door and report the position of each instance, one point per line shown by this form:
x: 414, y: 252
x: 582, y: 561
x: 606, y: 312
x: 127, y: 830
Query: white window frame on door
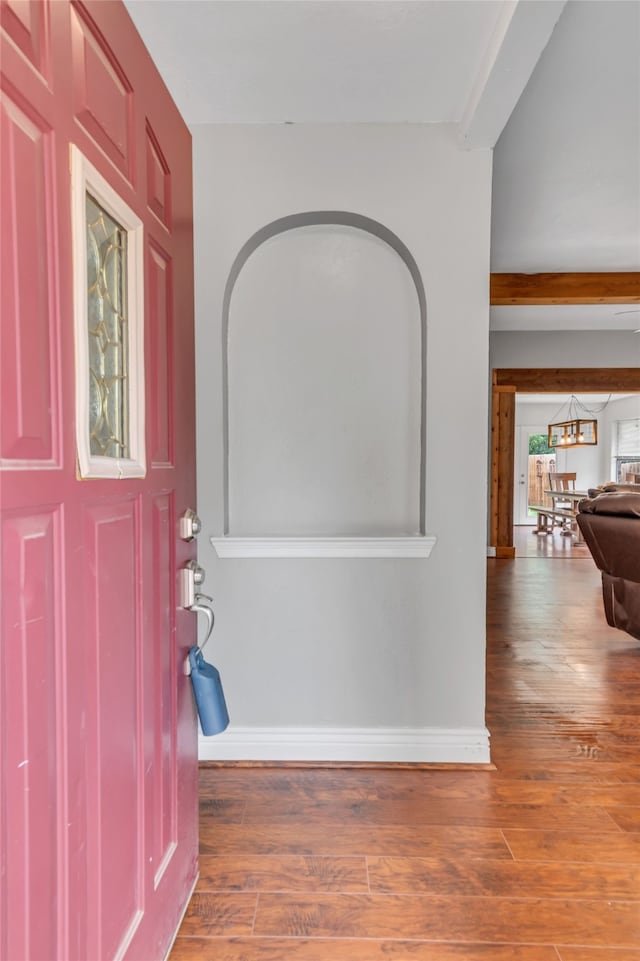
x: 521, y: 516
x: 86, y: 179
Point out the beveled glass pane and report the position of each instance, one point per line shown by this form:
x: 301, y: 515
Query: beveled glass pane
x: 107, y: 332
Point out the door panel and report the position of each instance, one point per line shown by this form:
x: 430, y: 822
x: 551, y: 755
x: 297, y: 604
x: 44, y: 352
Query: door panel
x: 164, y: 820
x: 30, y: 560
x: 97, y: 719
x: 114, y: 731
x: 159, y: 288
x: 158, y: 180
x: 28, y: 310
x: 103, y: 96
x: 27, y: 23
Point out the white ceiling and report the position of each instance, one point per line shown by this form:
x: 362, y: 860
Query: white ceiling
x: 566, y: 191
x: 313, y: 61
x: 316, y: 62
x: 566, y: 174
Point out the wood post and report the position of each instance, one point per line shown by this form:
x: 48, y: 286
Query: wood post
x: 503, y: 419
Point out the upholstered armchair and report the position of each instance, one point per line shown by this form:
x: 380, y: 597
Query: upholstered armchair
x: 610, y: 525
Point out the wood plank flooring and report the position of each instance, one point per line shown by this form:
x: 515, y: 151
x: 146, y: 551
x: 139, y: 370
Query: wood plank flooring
x: 537, y: 860
x: 556, y: 545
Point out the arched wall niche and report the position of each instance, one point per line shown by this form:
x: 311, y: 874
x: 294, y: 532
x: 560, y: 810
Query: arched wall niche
x: 324, y: 382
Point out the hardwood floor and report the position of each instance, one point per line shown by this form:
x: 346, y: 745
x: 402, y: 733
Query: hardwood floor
x: 528, y: 543
x: 537, y: 860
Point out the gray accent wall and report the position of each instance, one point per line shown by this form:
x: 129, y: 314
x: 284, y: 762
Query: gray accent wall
x: 353, y: 643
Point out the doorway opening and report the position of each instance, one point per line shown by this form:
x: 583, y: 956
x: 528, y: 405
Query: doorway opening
x: 536, y: 467
x: 509, y: 382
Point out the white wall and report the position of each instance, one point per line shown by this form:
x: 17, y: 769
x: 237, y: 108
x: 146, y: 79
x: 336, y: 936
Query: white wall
x: 588, y: 348
x: 364, y: 658
x: 624, y: 409
x: 566, y: 191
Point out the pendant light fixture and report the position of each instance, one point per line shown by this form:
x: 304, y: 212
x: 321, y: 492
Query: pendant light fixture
x: 575, y: 430
x: 573, y: 433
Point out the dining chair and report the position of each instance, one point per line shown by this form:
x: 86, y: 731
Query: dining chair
x: 562, y: 482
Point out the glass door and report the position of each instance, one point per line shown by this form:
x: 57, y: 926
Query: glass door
x: 534, y: 460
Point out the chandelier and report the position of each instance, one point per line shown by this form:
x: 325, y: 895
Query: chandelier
x: 575, y: 430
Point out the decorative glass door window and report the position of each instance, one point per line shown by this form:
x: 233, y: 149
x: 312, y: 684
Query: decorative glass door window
x: 108, y: 334
x: 108, y: 280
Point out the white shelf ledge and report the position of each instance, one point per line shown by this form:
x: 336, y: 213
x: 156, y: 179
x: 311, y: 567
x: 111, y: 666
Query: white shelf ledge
x: 419, y: 545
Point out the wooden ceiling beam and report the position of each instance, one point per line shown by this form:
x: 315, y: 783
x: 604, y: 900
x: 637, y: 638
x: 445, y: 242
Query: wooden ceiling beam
x: 620, y: 287
x: 569, y: 380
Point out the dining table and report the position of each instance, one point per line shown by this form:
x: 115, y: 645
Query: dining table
x: 574, y: 497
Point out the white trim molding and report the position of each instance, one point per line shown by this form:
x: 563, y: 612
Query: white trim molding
x: 86, y: 179
x: 428, y: 745
x: 419, y: 545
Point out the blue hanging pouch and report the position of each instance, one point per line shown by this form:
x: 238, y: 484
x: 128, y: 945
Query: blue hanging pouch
x: 207, y: 687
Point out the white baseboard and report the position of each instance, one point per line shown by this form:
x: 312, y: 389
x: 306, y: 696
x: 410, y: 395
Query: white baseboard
x: 382, y: 745
x: 491, y: 551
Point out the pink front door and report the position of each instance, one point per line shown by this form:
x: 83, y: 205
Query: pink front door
x: 98, y: 816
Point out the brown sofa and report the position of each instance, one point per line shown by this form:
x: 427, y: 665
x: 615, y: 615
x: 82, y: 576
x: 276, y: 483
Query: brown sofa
x: 610, y: 525
x: 612, y: 486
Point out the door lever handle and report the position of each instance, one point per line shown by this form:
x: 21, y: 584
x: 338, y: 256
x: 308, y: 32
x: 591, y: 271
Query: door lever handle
x: 208, y: 613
